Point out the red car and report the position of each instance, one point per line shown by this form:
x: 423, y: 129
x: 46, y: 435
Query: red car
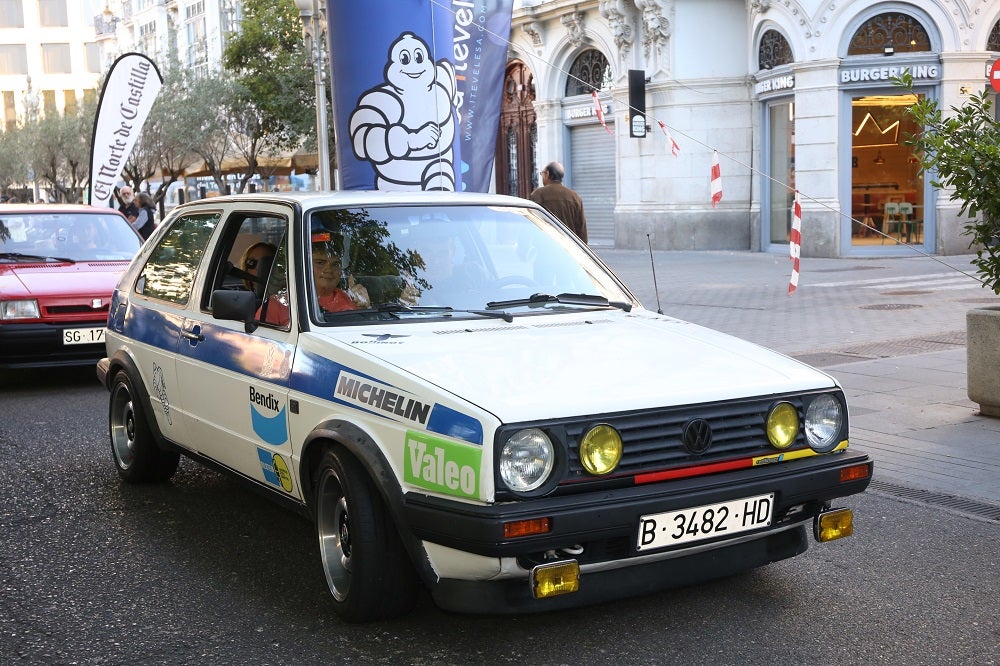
x: 59, y: 265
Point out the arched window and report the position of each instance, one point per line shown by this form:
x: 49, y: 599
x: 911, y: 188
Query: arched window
x: 590, y: 71
x: 993, y: 41
x: 774, y: 50
x: 901, y: 32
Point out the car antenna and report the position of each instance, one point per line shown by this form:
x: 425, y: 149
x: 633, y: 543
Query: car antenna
x: 656, y: 289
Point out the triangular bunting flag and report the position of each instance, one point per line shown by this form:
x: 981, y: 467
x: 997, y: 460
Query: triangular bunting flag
x: 675, y: 149
x: 795, y: 244
x: 716, y: 179
x: 599, y: 111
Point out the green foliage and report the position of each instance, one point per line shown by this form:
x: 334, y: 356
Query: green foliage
x: 268, y: 61
x: 960, y: 150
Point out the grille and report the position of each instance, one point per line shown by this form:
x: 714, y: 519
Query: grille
x: 77, y: 309
x: 652, y: 440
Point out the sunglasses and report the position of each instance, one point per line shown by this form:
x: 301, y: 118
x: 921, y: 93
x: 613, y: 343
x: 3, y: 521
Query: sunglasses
x: 252, y: 262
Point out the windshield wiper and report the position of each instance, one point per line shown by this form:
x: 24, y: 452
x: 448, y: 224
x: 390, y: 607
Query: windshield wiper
x: 562, y: 299
x: 395, y: 309
x: 35, y: 257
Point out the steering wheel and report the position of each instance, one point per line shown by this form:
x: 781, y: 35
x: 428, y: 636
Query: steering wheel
x: 514, y: 280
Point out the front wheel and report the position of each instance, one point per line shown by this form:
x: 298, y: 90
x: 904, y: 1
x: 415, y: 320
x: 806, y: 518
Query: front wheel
x: 133, y: 446
x: 366, y: 566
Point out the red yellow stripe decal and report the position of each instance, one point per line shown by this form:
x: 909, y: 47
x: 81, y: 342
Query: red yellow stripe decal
x: 728, y: 465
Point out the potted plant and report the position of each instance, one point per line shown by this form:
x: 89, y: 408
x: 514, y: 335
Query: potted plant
x: 960, y: 150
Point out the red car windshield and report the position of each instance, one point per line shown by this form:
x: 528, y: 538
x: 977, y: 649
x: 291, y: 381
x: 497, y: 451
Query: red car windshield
x: 47, y: 236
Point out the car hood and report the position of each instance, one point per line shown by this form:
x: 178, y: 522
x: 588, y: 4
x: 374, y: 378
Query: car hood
x: 47, y: 280
x: 583, y: 363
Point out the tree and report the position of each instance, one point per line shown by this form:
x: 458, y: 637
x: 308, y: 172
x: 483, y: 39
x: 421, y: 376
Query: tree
x: 961, y: 151
x: 272, y: 107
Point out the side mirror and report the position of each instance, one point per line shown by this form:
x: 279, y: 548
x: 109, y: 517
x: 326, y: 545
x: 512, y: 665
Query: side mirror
x: 235, y: 305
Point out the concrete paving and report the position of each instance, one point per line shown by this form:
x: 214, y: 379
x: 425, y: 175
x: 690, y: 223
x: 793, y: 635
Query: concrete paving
x: 890, y: 329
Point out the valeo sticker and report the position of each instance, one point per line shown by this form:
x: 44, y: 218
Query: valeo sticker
x: 442, y: 466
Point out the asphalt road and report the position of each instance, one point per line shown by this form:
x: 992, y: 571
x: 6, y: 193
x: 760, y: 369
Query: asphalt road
x: 201, y: 570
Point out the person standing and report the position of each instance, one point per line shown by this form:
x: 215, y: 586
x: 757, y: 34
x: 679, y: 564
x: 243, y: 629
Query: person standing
x: 126, y: 203
x: 145, y: 221
x: 559, y: 200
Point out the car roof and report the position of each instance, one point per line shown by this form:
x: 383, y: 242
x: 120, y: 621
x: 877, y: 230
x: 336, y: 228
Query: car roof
x: 368, y: 198
x: 48, y: 209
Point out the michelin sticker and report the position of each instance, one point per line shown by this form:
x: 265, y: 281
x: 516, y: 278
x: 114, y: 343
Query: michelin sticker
x: 390, y: 402
x: 442, y: 466
x: 271, y: 425
x: 275, y: 469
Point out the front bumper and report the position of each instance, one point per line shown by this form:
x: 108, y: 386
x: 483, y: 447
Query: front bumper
x: 600, y: 530
x: 41, y: 345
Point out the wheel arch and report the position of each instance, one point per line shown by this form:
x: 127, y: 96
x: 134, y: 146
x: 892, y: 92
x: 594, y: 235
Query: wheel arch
x: 123, y: 361
x: 357, y: 442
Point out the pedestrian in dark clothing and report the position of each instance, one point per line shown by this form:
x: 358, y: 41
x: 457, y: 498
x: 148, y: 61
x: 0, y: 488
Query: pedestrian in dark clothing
x: 561, y: 201
x: 126, y: 203
x: 145, y: 220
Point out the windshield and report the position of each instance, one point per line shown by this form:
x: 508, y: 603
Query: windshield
x: 432, y: 259
x: 70, y: 236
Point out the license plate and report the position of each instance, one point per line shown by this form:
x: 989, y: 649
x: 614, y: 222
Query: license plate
x: 83, y: 336
x: 659, y: 530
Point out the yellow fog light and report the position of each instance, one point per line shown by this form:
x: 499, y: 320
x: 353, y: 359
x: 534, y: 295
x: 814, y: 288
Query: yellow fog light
x: 600, y: 449
x: 835, y: 524
x: 551, y: 580
x: 783, y: 425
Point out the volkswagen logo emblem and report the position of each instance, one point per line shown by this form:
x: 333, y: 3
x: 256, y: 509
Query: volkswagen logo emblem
x: 697, y: 436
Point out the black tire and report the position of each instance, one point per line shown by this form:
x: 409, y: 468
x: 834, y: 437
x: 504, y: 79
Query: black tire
x: 133, y: 446
x: 367, y: 568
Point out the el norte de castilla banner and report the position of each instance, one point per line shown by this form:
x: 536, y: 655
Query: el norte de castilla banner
x: 417, y: 87
x: 130, y: 88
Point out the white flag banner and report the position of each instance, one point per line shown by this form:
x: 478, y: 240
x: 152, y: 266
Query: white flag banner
x: 130, y: 88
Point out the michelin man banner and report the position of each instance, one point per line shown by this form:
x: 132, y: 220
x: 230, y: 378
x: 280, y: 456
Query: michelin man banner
x: 416, y: 88
x: 131, y: 87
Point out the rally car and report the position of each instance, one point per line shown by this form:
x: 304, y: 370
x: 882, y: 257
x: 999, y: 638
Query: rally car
x: 458, y: 392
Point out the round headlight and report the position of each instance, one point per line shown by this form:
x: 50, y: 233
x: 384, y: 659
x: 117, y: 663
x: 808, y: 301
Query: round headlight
x: 824, y: 419
x: 782, y: 425
x: 600, y: 449
x: 526, y: 460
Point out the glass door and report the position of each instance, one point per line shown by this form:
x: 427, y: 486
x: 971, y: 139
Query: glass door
x: 887, y: 188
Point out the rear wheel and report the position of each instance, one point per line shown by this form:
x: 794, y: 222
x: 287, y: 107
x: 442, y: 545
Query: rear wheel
x: 367, y: 569
x: 133, y: 446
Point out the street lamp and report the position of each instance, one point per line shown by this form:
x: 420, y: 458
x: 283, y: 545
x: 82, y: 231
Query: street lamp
x: 312, y: 33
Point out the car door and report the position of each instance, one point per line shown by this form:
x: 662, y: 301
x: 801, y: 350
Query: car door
x: 234, y: 377
x: 156, y: 312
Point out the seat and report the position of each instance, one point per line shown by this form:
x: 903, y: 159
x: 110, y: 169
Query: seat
x: 906, y: 219
x: 891, y: 218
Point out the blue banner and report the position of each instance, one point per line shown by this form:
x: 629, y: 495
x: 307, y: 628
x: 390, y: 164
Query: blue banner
x: 416, y: 90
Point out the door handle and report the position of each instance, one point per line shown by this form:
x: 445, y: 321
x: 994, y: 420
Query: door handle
x: 194, y: 335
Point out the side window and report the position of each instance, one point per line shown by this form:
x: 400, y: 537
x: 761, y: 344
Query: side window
x: 253, y: 259
x: 170, y: 270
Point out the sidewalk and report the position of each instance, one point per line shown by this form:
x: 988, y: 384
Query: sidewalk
x: 891, y: 330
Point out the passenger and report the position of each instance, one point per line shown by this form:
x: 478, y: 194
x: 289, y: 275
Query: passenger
x: 251, y: 262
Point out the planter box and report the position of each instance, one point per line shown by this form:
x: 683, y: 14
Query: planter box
x: 983, y: 357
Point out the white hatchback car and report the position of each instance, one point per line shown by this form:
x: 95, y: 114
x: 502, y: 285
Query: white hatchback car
x: 457, y: 391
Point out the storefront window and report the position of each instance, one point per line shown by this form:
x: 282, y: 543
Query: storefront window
x: 781, y: 168
x: 887, y: 190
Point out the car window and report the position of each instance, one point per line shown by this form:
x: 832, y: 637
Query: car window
x: 253, y: 257
x: 170, y: 270
x: 462, y: 257
x: 69, y: 235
